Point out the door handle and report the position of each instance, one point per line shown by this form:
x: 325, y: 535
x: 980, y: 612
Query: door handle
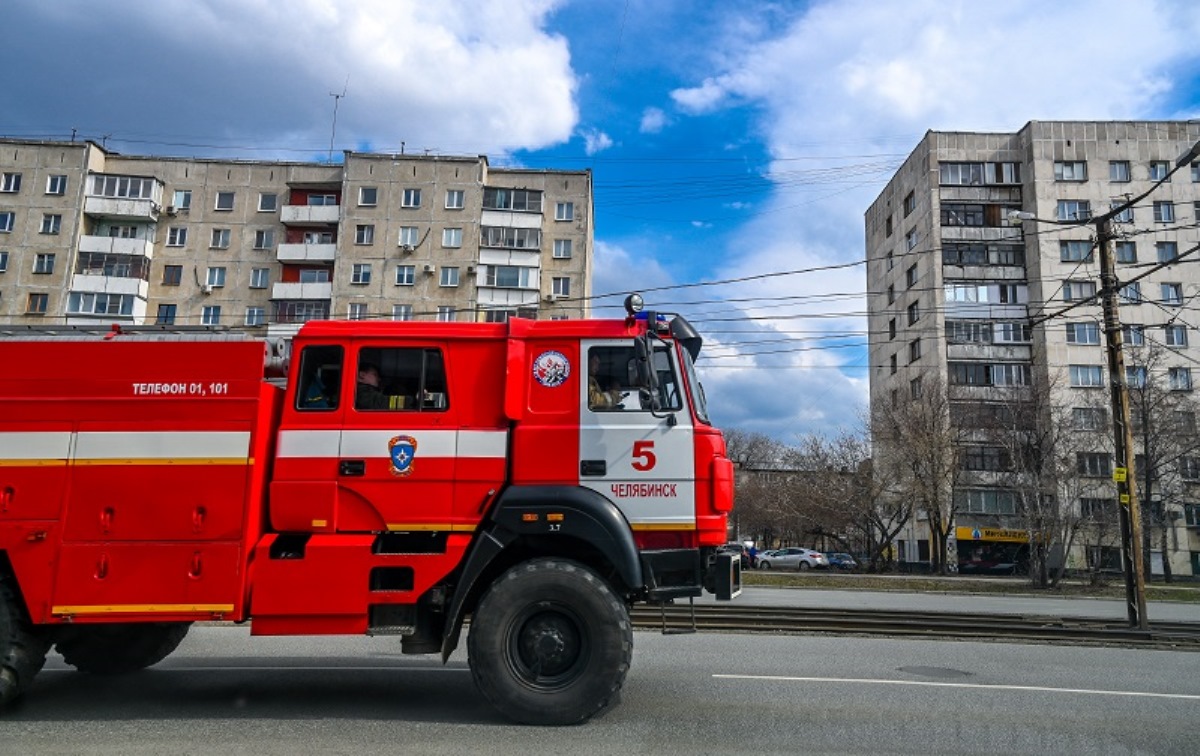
x: 592, y: 467
x: 352, y: 467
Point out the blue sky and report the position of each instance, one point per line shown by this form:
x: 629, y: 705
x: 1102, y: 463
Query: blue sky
x: 728, y: 141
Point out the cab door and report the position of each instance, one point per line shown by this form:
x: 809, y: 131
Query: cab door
x: 641, y: 460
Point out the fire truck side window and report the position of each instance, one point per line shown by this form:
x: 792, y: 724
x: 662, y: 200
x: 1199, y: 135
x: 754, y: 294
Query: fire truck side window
x: 411, y: 379
x: 320, y: 378
x: 612, y: 380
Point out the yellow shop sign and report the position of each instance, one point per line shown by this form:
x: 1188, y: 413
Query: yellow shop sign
x: 991, y: 534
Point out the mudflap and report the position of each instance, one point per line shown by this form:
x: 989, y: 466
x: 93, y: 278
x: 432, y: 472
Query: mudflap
x: 724, y: 578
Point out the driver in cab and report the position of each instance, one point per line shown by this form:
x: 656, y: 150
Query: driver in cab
x: 599, y: 398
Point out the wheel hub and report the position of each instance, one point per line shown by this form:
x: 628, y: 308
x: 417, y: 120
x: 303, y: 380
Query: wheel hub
x: 548, y: 645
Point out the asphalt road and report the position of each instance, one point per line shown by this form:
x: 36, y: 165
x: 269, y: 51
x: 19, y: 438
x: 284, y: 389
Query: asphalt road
x: 228, y: 693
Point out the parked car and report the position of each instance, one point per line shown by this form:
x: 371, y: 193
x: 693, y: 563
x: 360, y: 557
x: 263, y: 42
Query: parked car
x: 792, y: 558
x: 842, y: 561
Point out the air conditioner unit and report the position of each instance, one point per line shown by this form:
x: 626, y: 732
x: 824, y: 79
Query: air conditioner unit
x: 553, y: 297
x: 407, y: 248
x: 171, y: 210
x: 470, y: 270
x: 429, y: 268
x: 206, y: 288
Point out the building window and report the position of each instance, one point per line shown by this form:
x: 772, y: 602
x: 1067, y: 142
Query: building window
x: 1070, y: 170
x: 891, y: 329
x: 455, y: 199
x: 183, y: 199
x: 256, y: 316
x: 506, y: 237
x: 360, y: 274
x: 449, y: 276
x: 166, y: 315
x: 1159, y: 169
x: 509, y: 277
x: 36, y: 304
x: 216, y: 277
x: 1075, y: 251
x: 264, y: 238
x: 562, y: 249
x: 893, y: 361
x: 10, y: 183
x: 961, y: 214
x: 43, y: 263
x: 1125, y: 216
x: 259, y: 278
x: 986, y: 459
x: 401, y: 312
x: 6, y: 222
x: 225, y: 201
x: 564, y: 211
x: 891, y: 293
x: 322, y: 200
x: 1075, y: 291
x: 1089, y: 418
x: 910, y: 204
x: 357, y: 311
x: 1011, y: 374
x: 176, y: 236
x: 1164, y: 212
x: 1131, y: 293
x: 914, y: 388
x: 1172, y: 293
x: 211, y: 315
x: 1135, y: 376
x: 51, y: 223
x: 910, y: 239
x: 914, y: 312
x: 1126, y: 251
x: 1086, y: 376
x: 268, y: 202
x: 1133, y: 335
x: 445, y: 313
x: 1074, y: 210
x: 887, y: 227
x: 406, y: 275
x: 914, y: 350
x: 364, y: 233
x: 1167, y: 251
x: 452, y: 237
x: 172, y: 275
x: 1083, y: 333
x: 3, y: 262
x: 524, y: 200
x: 560, y: 286
x: 220, y: 238
x: 1179, y: 378
x: 411, y: 198
x: 910, y: 276
x: 987, y: 501
x: 367, y: 196
x: 1176, y: 335
x: 1093, y: 464
x: 1189, y: 469
x: 1118, y: 171
x: 56, y: 185
x: 968, y: 332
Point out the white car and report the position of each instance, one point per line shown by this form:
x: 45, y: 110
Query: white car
x: 792, y: 558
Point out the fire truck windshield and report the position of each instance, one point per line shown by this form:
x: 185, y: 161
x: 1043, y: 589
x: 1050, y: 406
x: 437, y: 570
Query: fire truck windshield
x: 695, y: 389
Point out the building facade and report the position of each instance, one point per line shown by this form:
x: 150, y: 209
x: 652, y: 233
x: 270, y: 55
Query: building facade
x: 966, y: 300
x: 88, y: 236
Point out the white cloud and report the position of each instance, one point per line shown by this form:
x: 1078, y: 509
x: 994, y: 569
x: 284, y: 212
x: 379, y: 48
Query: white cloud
x: 595, y: 141
x: 654, y: 120
x: 619, y: 272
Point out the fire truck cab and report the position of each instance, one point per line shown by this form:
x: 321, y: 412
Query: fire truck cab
x: 536, y: 478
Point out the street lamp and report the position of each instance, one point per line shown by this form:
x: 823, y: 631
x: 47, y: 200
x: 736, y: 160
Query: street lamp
x: 1131, y: 523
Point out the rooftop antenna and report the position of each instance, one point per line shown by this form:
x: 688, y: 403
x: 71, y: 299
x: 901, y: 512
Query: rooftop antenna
x: 337, y: 98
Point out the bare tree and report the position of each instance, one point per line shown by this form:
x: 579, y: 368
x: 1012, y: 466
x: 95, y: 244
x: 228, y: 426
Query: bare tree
x: 919, y: 451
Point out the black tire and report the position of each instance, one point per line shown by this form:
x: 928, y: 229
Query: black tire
x: 23, y: 647
x: 764, y: 565
x: 804, y: 566
x: 550, y: 643
x: 122, y: 648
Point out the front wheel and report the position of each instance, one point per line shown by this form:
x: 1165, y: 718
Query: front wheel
x: 550, y: 643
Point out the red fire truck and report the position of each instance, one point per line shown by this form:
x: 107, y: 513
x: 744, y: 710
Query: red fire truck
x: 535, y: 477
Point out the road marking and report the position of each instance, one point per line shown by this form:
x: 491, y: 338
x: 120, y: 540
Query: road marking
x: 925, y: 684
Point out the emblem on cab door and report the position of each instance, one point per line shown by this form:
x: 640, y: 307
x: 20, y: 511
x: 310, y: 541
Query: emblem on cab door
x: 402, y: 450
x: 551, y: 368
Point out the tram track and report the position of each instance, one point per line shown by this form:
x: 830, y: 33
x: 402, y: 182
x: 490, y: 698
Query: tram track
x: 678, y: 618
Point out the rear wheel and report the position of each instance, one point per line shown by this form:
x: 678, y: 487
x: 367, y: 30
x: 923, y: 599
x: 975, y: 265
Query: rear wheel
x: 22, y: 648
x: 550, y: 643
x: 805, y: 566
x: 122, y: 648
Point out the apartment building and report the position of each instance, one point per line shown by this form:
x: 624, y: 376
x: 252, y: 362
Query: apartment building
x: 966, y: 300
x: 90, y: 236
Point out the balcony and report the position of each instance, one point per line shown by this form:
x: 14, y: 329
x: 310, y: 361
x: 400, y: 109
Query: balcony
x: 303, y: 253
x: 305, y: 291
x: 101, y: 284
x: 310, y: 215
x: 110, y: 246
x: 122, y: 208
x: 489, y: 296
